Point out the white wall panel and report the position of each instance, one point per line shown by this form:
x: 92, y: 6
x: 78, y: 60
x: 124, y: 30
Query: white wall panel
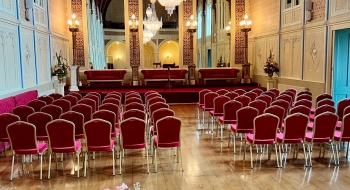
x: 291, y: 63
x: 43, y: 59
x: 28, y: 58
x: 8, y: 6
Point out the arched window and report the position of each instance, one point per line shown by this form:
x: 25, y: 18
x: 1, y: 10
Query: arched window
x: 208, y: 21
x: 199, y: 26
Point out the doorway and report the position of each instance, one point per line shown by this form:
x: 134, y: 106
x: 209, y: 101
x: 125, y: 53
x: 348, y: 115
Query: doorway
x: 341, y: 73
x: 209, y: 58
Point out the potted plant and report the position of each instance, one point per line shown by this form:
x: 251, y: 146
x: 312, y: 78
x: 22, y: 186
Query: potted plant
x: 60, y: 69
x: 271, y: 66
x: 221, y: 62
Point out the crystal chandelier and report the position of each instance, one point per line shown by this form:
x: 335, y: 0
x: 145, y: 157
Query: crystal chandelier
x: 170, y: 5
x: 152, y: 22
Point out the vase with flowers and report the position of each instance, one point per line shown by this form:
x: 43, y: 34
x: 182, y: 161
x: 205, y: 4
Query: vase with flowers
x: 271, y: 66
x: 60, y: 68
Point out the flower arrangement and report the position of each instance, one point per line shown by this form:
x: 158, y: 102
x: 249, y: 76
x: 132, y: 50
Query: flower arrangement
x: 271, y: 66
x: 60, y: 69
x: 123, y: 186
x: 221, y: 62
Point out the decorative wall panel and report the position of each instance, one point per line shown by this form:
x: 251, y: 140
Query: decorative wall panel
x: 43, y: 59
x: 186, y: 36
x: 260, y: 55
x: 77, y: 8
x: 134, y: 9
x: 314, y: 55
x: 28, y: 58
x: 239, y: 37
x: 291, y: 56
x: 339, y: 7
x: 8, y: 6
x: 9, y: 62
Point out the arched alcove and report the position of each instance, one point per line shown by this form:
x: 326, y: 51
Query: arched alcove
x: 150, y: 55
x: 169, y: 52
x: 116, y: 53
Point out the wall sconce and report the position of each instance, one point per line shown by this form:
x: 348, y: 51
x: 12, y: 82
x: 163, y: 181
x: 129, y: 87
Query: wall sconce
x: 168, y: 56
x: 118, y: 57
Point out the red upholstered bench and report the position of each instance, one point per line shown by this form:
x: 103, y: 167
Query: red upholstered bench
x: 218, y: 74
x: 105, y: 75
x: 162, y: 75
x: 7, y: 104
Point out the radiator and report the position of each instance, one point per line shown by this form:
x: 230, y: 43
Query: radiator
x: 283, y: 87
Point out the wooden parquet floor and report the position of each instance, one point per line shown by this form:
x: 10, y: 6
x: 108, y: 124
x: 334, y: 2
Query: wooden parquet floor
x: 208, y: 164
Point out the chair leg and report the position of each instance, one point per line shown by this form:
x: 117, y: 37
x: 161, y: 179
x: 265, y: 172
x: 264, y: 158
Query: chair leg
x: 151, y: 145
x: 182, y: 166
x: 333, y: 155
x: 221, y: 128
x: 229, y: 138
x: 234, y: 143
x: 147, y: 160
x: 48, y: 175
x: 245, y: 148
x: 41, y: 166
x: 113, y: 161
x: 62, y: 157
x: 78, y: 155
x: 279, y: 147
x: 278, y: 165
x: 251, y: 157
x: 120, y: 162
x: 305, y: 155
x: 13, y: 162
x: 310, y: 154
x: 85, y: 163
x: 155, y: 159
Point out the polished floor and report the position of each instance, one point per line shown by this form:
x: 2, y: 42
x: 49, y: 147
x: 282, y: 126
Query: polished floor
x: 208, y: 164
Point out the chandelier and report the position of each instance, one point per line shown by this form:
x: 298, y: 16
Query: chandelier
x: 170, y: 5
x: 152, y: 22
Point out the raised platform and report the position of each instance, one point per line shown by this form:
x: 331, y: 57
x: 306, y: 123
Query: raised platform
x: 178, y: 94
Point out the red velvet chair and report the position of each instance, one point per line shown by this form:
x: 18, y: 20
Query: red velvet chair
x: 114, y: 92
x: 258, y: 91
x: 64, y: 104
x: 285, y: 97
x: 89, y: 102
x: 271, y: 94
x: 322, y: 133
x: 304, y: 97
x: 111, y: 100
x: 293, y: 90
x: 94, y: 98
x: 40, y: 120
x: 56, y: 96
x: 244, y: 124
x: 243, y: 99
x: 134, y: 113
x: 62, y: 140
x: 6, y: 119
x: 133, y: 95
x: 277, y: 111
x: 293, y: 133
x: 218, y: 111
x: 342, y: 104
x: 232, y: 95
x: 132, y: 100
x: 240, y: 91
x: 110, y: 117
x: 325, y: 102
x: 36, y: 104
x: 157, y: 115
x: 84, y: 109
x: 78, y: 120
x: 199, y: 104
x: 251, y: 95
x: 230, y: 113
x: 275, y: 91
x: 343, y: 135
x: 47, y: 99
x: 98, y: 139
x: 267, y: 99
x: 321, y: 110
x: 304, y: 92
x: 321, y: 97
x: 222, y: 91
x: 135, y: 105
x: 265, y: 133
x: 72, y: 99
x: 113, y: 96
x: 284, y: 104
x: 259, y: 105
x: 208, y: 104
x: 95, y: 94
x: 113, y: 108
x: 289, y: 93
x: 149, y: 92
x: 150, y: 96
x: 306, y: 103
x: 133, y: 136
x: 23, y: 112
x: 77, y: 95
x: 300, y: 109
x: 23, y: 142
x: 154, y: 107
x: 168, y: 136
x: 130, y: 92
x: 53, y: 110
x: 155, y: 100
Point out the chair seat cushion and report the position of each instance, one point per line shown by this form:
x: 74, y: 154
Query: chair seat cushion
x: 308, y: 138
x: 222, y: 121
x: 280, y: 137
x: 67, y: 149
x: 310, y: 126
x: 153, y: 131
x: 134, y: 146
x: 339, y: 125
x: 215, y: 114
x: 105, y: 148
x: 250, y: 138
x: 312, y: 117
x: 313, y: 110
x: 235, y: 130
x: 41, y: 148
x: 337, y: 136
x: 206, y: 109
x: 165, y: 145
x: 116, y: 133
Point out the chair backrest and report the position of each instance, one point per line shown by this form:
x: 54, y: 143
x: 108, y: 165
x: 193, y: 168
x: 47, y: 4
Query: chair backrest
x: 111, y: 107
x: 293, y: 90
x: 77, y: 95
x: 304, y: 97
x: 222, y: 91
x: 155, y: 100
x: 259, y: 105
x: 53, y: 110
x: 323, y: 96
x: 84, y: 109
x: 161, y: 113
x: 23, y: 112
x: 295, y: 126
x: 149, y: 92
x: 134, y: 105
x: 300, y: 109
x: 271, y: 94
x: 284, y: 104
x: 289, y: 93
x: 134, y: 113
x: 245, y: 117
x: 64, y: 104
x: 265, y: 127
x: 346, y: 110
x: 169, y: 132
x: 133, y: 132
x: 113, y: 96
x: 94, y: 98
x: 47, y: 99
x: 267, y: 99
x: 107, y: 116
x: 202, y: 93
x: 111, y: 100
x: 132, y: 100
x: 239, y: 91
x: 323, y: 109
x: 6, y: 119
x: 230, y: 110
x: 251, y: 95
x: 150, y: 96
x: 219, y: 103
x: 76, y: 118
x: 275, y: 91
x: 285, y: 98
x: 22, y: 136
x: 245, y: 100
x: 130, y: 92
x: 97, y: 133
x: 258, y: 91
x: 342, y: 104
x: 114, y: 92
x: 95, y: 94
x: 61, y: 135
x: 89, y: 102
x: 156, y: 106
x: 277, y: 111
x: 39, y: 120
x: 72, y: 99
x: 303, y: 102
x: 345, y: 129
x: 56, y: 96
x: 304, y: 92
x: 133, y: 95
x: 324, y: 126
x: 36, y: 104
x: 325, y: 102
x: 232, y: 95
x: 209, y: 100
